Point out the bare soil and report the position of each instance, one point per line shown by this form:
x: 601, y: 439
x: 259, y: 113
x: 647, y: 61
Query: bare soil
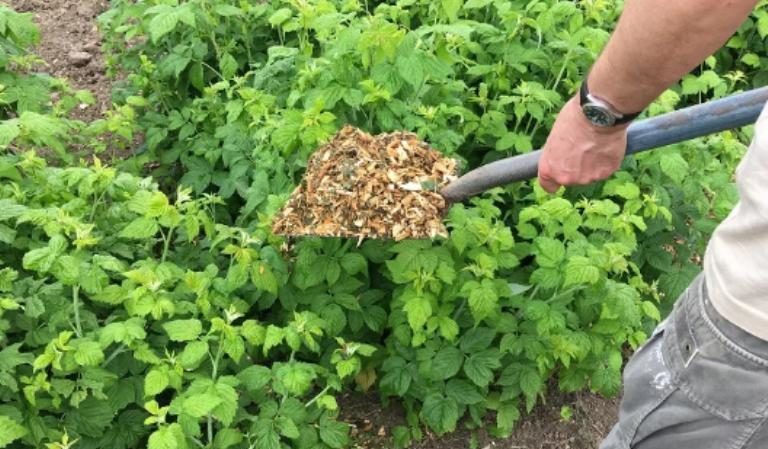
x: 593, y: 417
x: 71, y: 48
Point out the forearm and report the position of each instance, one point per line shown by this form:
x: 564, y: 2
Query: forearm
x: 656, y: 42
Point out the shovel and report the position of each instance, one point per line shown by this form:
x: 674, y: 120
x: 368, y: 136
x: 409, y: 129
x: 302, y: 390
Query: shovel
x: 726, y: 113
x: 707, y: 118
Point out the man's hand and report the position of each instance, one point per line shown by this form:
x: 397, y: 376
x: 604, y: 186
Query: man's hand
x: 577, y: 152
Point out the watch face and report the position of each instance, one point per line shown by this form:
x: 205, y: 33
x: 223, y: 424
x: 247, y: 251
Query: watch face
x: 598, y: 115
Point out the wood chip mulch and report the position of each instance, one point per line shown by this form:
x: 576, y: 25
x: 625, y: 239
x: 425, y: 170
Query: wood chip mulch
x: 362, y: 186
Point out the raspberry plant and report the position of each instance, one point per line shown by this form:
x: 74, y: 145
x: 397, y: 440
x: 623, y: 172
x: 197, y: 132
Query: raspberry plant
x: 159, y: 311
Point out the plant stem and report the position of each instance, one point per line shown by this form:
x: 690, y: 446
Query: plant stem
x: 314, y: 399
x: 459, y: 309
x: 214, y: 373
x: 76, y: 306
x: 167, y: 243
x: 121, y: 349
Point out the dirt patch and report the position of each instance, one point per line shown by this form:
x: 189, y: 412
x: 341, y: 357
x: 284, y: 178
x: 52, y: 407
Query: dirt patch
x: 592, y: 419
x: 71, y: 46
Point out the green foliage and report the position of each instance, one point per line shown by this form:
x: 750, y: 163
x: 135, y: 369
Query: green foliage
x: 153, y: 334
x: 162, y: 312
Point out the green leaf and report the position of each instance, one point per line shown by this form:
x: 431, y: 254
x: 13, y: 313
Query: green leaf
x: 287, y: 427
x: 227, y: 10
x: 549, y: 252
x: 451, y: 8
x: 475, y: 4
x: 168, y: 437
x: 334, y: 433
x: 396, y: 382
x: 155, y: 382
x: 264, y: 278
x: 506, y: 417
x: 531, y: 382
x: 255, y: 377
x: 88, y: 353
x: 162, y: 24
x: 674, y: 166
x: 580, y: 270
x: 10, y: 357
x: 280, y: 16
x: 193, y: 354
x: 228, y: 65
x: 447, y: 363
x: 409, y: 67
x: 440, y: 413
x: 10, y: 431
x: 477, y: 339
x: 418, y: 309
x: 140, y: 228
x: 483, y: 300
x: 354, y: 263
x: 183, y: 330
x: 651, y: 311
x: 268, y: 439
x: 199, y: 405
x: 227, y: 437
x: 296, y: 377
x: 9, y: 130
x: 479, y: 367
x: 463, y: 392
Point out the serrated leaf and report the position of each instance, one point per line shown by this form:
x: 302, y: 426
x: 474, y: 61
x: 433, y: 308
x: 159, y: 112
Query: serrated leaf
x: 418, y: 309
x: 155, y: 382
x: 255, y: 377
x: 549, y: 252
x: 280, y: 16
x: 227, y: 10
x: 446, y: 363
x: 88, y: 353
x: 193, y: 354
x: 228, y: 65
x: 10, y: 431
x: 440, y: 413
x: 264, y: 278
x: 287, y: 427
x: 463, y: 392
x: 199, y: 405
x: 354, y: 263
x: 579, y: 271
x: 480, y: 367
x: 162, y: 24
x: 140, y: 228
x: 483, y: 301
x: 674, y: 166
x: 334, y: 433
x: 183, y: 330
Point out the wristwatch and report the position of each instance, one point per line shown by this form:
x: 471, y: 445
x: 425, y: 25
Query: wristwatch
x: 599, y: 112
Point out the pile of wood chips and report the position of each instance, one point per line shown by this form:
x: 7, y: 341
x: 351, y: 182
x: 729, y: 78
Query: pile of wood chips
x: 361, y: 186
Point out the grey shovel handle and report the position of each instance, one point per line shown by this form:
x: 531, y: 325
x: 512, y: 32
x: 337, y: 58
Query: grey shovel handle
x: 707, y: 118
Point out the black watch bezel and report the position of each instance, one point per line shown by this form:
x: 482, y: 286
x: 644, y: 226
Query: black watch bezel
x: 600, y: 113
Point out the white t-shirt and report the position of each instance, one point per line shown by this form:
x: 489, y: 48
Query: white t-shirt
x: 736, y: 260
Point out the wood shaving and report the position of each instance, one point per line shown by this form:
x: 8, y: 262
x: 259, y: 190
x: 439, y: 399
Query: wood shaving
x: 362, y: 186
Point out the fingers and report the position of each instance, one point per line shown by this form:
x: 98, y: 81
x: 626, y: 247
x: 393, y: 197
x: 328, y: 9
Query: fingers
x: 545, y: 180
x: 548, y: 184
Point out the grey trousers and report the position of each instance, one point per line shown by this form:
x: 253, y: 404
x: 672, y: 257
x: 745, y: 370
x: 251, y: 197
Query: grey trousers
x: 699, y: 382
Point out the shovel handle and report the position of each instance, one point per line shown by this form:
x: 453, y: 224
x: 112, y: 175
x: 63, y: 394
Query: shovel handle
x: 711, y: 117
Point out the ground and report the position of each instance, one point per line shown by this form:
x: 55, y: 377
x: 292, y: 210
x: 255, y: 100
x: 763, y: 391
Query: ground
x: 71, y: 48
